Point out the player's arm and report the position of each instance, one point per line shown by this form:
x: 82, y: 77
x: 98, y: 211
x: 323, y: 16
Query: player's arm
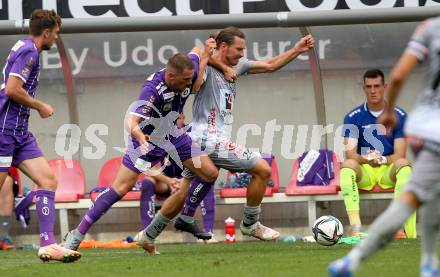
x: 141, y: 111
x: 415, y: 53
x: 162, y: 178
x: 303, y: 45
x: 351, y: 139
x: 134, y: 129
x: 351, y: 151
x: 399, y: 75
x: 229, y: 73
x: 204, y: 59
x: 15, y: 91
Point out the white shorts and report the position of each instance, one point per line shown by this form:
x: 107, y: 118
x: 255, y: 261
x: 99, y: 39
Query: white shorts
x: 425, y: 178
x: 230, y: 156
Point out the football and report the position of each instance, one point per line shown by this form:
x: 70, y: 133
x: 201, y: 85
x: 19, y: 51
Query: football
x: 327, y: 230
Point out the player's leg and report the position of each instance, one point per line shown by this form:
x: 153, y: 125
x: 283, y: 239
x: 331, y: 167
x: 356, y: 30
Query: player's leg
x: 208, y: 212
x: 430, y: 219
x: 397, y: 175
x: 350, y: 175
x: 261, y: 171
x: 3, y: 175
x: 171, y: 207
x: 200, y: 164
x: 124, y: 182
x: 420, y: 188
x: 197, y: 192
x: 147, y: 209
x: 40, y: 172
x: 6, y: 207
x: 7, y: 147
x: 173, y: 204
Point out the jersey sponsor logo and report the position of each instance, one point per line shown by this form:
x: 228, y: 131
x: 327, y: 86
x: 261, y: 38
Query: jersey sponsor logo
x: 227, y: 145
x: 27, y: 68
x: 167, y: 106
x: 185, y: 93
x: 147, y: 108
x: 162, y: 89
x: 354, y: 112
x: 211, y: 121
x: 17, y: 45
x: 5, y: 161
x: 142, y: 165
x: 45, y: 210
x: 366, y: 126
x: 168, y: 95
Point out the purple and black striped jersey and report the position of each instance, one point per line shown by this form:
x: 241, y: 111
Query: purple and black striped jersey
x: 157, y: 100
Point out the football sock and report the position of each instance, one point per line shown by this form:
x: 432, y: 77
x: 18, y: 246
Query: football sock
x: 197, y: 192
x: 102, y: 204
x: 156, y: 227
x: 45, y: 207
x: 350, y: 194
x: 251, y: 215
x: 208, y: 210
x: 147, y: 209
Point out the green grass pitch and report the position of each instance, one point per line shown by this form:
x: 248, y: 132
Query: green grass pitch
x: 401, y: 258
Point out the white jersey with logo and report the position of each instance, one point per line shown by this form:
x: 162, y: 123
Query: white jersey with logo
x: 213, y: 105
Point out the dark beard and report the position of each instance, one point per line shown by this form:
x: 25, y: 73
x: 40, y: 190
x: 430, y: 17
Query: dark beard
x: 46, y: 47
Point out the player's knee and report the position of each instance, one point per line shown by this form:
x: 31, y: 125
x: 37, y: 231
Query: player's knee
x: 178, y: 199
x: 49, y: 182
x: 265, y: 172
x: 122, y: 188
x: 350, y: 163
x: 399, y: 163
x: 209, y: 174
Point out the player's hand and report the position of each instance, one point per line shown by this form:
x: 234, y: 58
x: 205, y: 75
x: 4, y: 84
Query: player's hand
x: 45, y: 110
x: 144, y: 144
x: 230, y: 74
x: 416, y: 143
x: 389, y: 120
x: 210, y: 45
x: 305, y: 44
x: 373, y: 158
x: 374, y: 163
x: 175, y: 185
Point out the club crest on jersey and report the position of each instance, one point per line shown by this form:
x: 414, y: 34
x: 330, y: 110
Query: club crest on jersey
x: 167, y: 106
x: 27, y: 69
x: 185, y: 93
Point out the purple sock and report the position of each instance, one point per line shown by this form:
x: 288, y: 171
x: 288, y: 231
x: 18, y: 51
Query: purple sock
x: 45, y: 207
x: 147, y: 209
x: 196, y: 194
x: 208, y: 210
x: 102, y: 204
